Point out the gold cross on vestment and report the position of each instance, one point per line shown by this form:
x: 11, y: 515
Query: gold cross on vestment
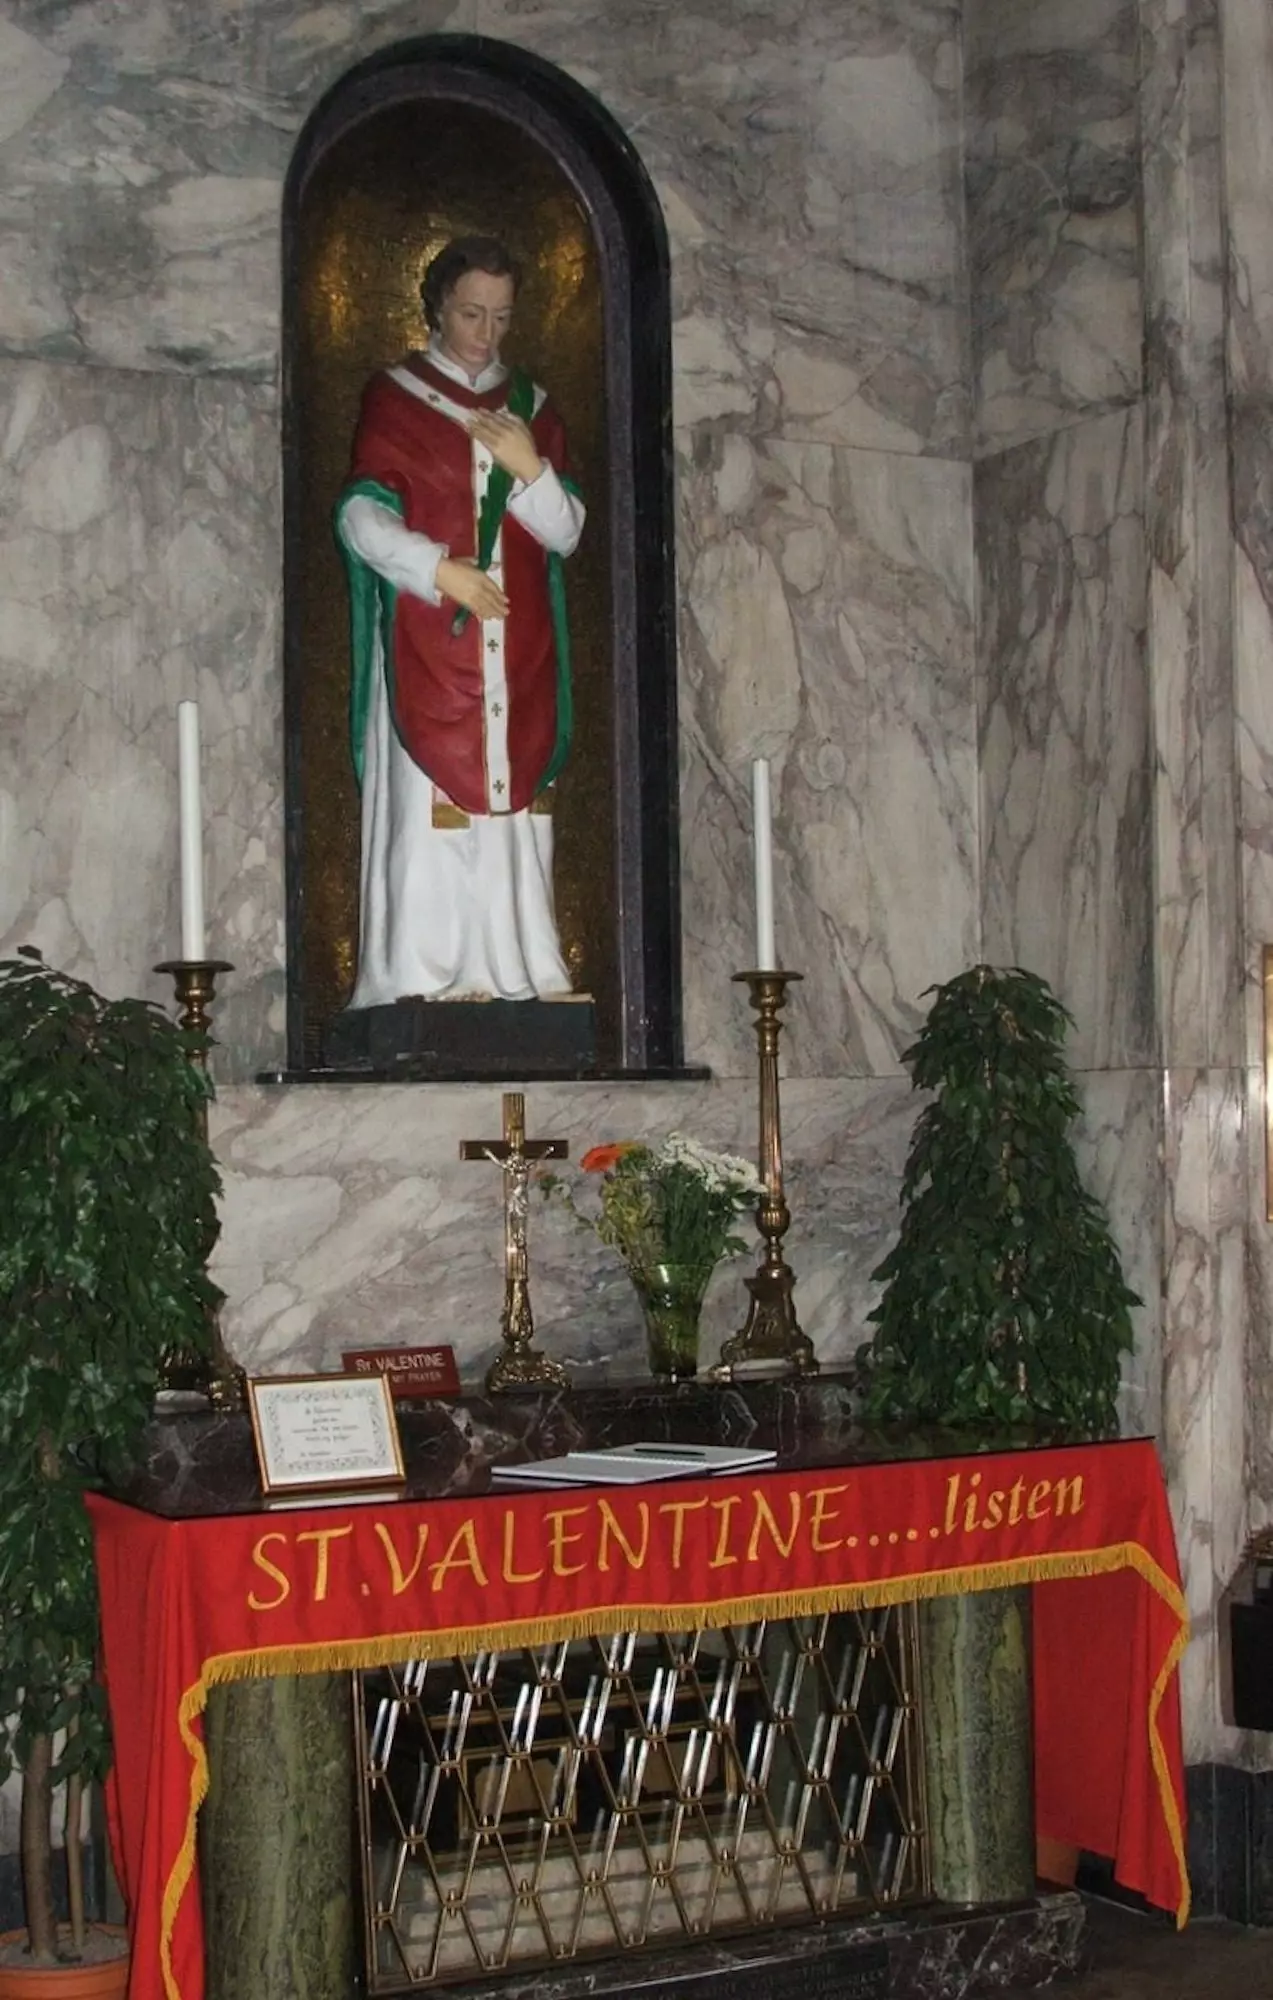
x: 514, y: 1154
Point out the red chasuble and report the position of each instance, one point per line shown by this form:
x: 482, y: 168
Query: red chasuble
x: 436, y: 678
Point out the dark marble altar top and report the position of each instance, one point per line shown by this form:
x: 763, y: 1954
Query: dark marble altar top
x: 200, y: 1463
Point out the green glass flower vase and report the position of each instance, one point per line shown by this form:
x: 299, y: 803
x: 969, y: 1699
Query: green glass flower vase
x: 671, y: 1298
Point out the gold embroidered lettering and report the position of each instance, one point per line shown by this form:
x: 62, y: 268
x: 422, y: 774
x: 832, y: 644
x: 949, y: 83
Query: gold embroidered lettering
x: 610, y: 1528
x: 558, y: 1539
x: 822, y: 1515
x: 512, y: 1575
x: 678, y: 1509
x: 764, y: 1518
x: 400, y: 1578
x: 323, y: 1539
x: 461, y: 1553
x: 263, y: 1562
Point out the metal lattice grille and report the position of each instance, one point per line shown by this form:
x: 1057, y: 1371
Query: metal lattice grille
x: 610, y: 1793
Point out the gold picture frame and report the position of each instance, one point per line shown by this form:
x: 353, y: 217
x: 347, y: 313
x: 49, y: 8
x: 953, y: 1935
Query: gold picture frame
x: 324, y: 1434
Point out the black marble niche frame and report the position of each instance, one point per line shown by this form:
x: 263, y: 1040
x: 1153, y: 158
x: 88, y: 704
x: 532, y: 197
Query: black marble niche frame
x: 641, y: 1034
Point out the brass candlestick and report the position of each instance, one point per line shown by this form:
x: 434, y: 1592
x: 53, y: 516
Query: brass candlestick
x: 195, y: 984
x: 183, y: 1370
x: 772, y: 1334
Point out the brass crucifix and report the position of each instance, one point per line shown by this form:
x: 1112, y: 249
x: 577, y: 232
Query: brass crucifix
x: 521, y: 1364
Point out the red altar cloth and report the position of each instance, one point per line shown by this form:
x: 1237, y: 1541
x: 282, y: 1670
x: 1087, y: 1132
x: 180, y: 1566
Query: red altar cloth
x: 186, y: 1604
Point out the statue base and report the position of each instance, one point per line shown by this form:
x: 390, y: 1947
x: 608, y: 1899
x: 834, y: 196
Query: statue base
x: 463, y: 1039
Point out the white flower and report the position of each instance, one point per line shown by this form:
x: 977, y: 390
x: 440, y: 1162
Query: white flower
x: 720, y: 1173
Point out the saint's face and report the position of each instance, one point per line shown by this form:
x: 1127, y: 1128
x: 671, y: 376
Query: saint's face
x: 474, y: 318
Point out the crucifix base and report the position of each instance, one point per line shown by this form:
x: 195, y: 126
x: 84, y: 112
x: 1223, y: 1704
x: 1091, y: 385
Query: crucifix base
x: 521, y: 1365
x: 458, y: 1038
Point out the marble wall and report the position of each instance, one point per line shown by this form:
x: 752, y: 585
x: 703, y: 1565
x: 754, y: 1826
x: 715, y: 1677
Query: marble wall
x: 954, y: 420
x: 349, y: 1222
x: 1065, y: 794
x: 1200, y: 943
x: 1242, y: 1403
x: 1065, y: 681
x: 1248, y: 168
x: 810, y: 174
x: 1065, y: 727
x: 1118, y: 155
x: 133, y: 508
x: 1052, y: 182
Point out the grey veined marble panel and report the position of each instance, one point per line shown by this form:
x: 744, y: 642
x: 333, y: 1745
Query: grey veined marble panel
x: 1248, y: 80
x: 1248, y: 84
x: 349, y: 1219
x: 807, y: 156
x: 138, y: 564
x: 1189, y: 534
x: 1119, y: 1142
x: 142, y: 154
x: 1215, y: 1317
x: 1052, y: 180
x: 1065, y: 744
x: 828, y: 599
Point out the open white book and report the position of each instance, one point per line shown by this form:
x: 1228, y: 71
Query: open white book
x: 631, y: 1464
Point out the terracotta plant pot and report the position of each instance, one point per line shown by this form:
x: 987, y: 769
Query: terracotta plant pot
x: 107, y: 1979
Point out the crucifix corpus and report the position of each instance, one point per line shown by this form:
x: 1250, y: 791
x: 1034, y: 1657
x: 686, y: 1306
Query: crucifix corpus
x: 521, y: 1364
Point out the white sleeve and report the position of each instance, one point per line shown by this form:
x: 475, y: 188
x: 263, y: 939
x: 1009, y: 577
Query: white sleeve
x: 404, y: 558
x: 546, y: 510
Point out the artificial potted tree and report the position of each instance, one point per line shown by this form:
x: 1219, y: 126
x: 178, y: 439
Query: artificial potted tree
x: 107, y: 1190
x: 1004, y: 1315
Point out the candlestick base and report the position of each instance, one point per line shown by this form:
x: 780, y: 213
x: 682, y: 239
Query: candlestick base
x: 186, y: 1371
x: 771, y: 1338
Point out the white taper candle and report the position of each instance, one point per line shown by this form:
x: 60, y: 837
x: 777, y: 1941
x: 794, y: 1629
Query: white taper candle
x: 193, y: 939
x: 762, y: 830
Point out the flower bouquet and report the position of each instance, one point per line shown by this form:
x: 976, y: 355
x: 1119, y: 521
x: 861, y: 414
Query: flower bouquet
x: 670, y: 1212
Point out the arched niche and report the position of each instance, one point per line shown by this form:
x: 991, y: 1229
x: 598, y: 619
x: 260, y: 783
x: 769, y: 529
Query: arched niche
x: 430, y: 138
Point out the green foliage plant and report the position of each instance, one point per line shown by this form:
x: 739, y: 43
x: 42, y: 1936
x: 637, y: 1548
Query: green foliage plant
x: 107, y: 1192
x: 1004, y: 1303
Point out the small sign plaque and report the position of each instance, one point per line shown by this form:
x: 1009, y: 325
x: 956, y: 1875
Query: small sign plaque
x: 324, y: 1433
x: 410, y: 1371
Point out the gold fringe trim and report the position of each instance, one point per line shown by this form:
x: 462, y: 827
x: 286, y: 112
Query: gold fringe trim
x: 192, y: 1703
x: 1166, y: 1793
x: 340, y: 1656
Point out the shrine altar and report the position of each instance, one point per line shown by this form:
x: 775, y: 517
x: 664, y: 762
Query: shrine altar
x: 193, y: 1602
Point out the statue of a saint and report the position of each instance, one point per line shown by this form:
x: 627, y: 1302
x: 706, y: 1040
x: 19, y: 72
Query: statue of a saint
x: 459, y: 510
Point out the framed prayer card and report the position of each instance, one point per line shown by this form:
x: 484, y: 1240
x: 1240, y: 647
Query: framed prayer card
x: 324, y: 1433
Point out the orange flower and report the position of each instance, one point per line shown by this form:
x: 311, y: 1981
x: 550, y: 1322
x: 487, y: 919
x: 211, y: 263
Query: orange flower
x: 602, y: 1158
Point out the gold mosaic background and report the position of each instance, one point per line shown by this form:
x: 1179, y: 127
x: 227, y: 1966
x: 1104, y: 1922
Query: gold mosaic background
x: 378, y: 206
